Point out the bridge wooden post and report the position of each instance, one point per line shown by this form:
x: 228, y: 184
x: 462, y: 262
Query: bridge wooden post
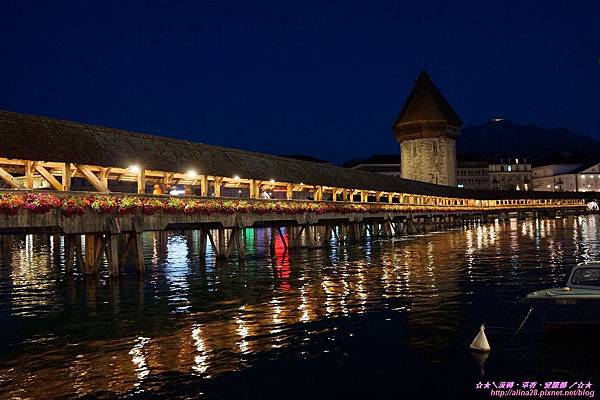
x: 237, y: 233
x: 273, y: 239
x: 202, y: 243
x: 410, y: 227
x: 291, y: 234
x: 94, y: 246
x: 217, y: 186
x: 104, y: 173
x: 341, y: 234
x: 222, y: 243
x: 90, y: 254
x: 204, y: 186
x: 138, y: 252
x: 70, y: 244
x: 29, y: 170
x: 387, y: 229
x: 309, y: 236
x: 318, y: 193
x: 113, y: 255
x: 327, y: 234
x: 356, y: 230
x: 66, y: 177
x: 141, y: 181
x: 363, y: 196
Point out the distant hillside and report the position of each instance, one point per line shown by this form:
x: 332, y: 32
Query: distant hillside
x: 497, y: 139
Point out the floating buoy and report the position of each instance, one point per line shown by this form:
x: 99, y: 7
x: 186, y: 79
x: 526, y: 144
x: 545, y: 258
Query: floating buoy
x: 480, y: 343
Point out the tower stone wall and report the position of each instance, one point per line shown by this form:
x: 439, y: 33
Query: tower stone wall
x: 430, y: 160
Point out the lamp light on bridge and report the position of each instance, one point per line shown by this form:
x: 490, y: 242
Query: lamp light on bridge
x: 272, y: 180
x: 191, y: 174
x: 236, y: 177
x: 134, y: 169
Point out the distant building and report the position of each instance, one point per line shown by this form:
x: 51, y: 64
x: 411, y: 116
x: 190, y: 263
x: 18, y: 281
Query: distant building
x: 385, y: 164
x: 303, y: 157
x: 472, y: 172
x: 567, y: 177
x: 510, y: 174
x: 427, y: 128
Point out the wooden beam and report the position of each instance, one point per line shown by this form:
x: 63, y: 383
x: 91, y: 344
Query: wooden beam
x: 203, y: 185
x: 92, y: 178
x: 66, y: 177
x: 141, y: 181
x: 217, y: 186
x: 8, y: 178
x: 48, y: 177
x: 8, y: 161
x: 334, y: 193
x: 29, y: 168
x: 104, y: 172
x: 289, y: 191
x: 318, y: 193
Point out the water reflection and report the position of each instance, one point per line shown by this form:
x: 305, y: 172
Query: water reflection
x: 192, y: 316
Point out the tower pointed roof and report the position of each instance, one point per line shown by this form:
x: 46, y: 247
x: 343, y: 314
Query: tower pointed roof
x: 426, y: 103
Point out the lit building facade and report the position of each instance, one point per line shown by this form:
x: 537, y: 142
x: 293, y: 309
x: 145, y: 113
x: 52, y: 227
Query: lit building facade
x: 510, y: 174
x: 472, y: 172
x: 567, y: 177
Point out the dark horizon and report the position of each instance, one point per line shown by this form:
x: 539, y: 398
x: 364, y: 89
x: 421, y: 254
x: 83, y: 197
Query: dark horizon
x: 321, y: 80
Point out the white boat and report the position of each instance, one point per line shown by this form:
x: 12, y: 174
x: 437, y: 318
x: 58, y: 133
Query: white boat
x: 576, y: 303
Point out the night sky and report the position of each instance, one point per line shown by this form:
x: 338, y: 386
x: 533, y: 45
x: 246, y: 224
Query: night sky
x: 325, y: 80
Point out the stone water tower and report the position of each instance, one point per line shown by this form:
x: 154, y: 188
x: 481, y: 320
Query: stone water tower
x: 426, y: 129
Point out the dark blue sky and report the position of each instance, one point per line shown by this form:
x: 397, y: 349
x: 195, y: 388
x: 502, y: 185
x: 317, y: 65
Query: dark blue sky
x: 304, y: 77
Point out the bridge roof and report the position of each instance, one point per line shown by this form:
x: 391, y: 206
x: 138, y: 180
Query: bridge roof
x: 29, y: 137
x: 426, y: 103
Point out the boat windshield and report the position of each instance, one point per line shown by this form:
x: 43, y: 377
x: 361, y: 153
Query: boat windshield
x: 586, y: 277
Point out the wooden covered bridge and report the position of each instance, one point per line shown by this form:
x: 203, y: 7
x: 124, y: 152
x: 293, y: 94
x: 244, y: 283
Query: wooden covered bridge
x: 68, y: 178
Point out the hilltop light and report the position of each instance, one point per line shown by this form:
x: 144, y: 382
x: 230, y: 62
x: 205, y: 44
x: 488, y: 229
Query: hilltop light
x: 191, y: 174
x: 134, y: 169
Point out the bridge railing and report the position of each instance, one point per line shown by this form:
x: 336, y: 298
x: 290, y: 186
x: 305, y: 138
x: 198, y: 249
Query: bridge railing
x: 13, y: 202
x: 28, y: 175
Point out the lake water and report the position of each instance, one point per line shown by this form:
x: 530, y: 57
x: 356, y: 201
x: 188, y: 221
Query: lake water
x: 381, y: 319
